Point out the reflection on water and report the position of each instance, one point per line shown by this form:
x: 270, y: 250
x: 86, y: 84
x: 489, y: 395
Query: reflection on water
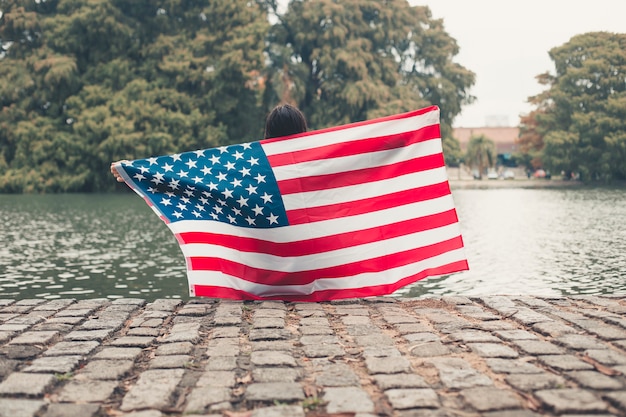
x: 518, y: 241
x: 86, y: 246
x: 538, y: 242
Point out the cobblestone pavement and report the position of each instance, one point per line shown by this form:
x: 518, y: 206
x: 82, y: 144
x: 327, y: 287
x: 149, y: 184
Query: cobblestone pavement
x: 495, y: 356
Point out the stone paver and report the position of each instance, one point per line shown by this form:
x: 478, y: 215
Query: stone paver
x: 489, y: 356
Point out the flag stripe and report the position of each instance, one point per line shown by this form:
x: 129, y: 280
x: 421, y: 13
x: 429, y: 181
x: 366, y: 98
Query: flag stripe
x: 391, y: 280
x: 302, y: 232
x: 330, y: 259
x: 360, y: 176
x: 356, y: 207
x: 346, y: 164
x: 325, y: 295
x: 322, y: 244
x: 345, y: 134
x: 357, y: 147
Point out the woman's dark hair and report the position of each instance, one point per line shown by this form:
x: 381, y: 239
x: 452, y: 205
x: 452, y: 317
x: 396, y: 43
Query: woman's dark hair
x: 284, y: 120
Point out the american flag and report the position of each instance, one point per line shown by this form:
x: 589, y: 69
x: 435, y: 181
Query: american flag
x: 351, y: 211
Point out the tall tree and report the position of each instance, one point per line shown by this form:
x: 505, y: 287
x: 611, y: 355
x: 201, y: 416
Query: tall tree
x: 353, y: 60
x: 86, y: 82
x: 581, y: 117
x: 480, y: 154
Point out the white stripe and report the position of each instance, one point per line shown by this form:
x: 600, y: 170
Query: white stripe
x: 324, y: 259
x: 358, y: 192
x: 301, y: 232
x: 366, y: 131
x: 369, y: 279
x: 359, y: 161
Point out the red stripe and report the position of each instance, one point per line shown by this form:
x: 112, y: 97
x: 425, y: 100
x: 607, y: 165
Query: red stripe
x: 356, y: 124
x: 356, y: 147
x: 361, y: 176
x: 322, y: 244
x: 325, y: 295
x: 367, y: 205
x: 377, y: 264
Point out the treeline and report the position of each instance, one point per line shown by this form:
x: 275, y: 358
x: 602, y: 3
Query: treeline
x: 578, y: 126
x: 87, y: 82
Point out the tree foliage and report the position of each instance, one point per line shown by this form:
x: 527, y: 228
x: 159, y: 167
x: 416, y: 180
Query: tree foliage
x: 87, y: 82
x: 579, y: 124
x: 481, y: 153
x: 360, y: 59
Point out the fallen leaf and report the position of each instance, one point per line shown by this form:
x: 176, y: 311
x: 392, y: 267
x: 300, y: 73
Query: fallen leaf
x: 601, y: 368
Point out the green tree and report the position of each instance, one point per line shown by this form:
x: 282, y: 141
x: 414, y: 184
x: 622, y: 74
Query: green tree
x: 354, y: 60
x: 87, y: 82
x: 581, y: 117
x: 480, y: 154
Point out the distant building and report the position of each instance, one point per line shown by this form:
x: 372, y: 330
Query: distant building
x: 503, y: 137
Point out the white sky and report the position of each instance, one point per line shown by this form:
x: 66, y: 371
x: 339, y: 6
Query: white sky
x: 506, y: 43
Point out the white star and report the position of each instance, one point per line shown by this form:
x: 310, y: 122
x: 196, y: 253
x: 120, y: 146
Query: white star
x: 217, y: 209
x: 167, y: 167
x: 184, y: 200
x: 203, y: 200
x: 181, y: 206
x: 258, y: 210
x: 176, y: 157
x: 188, y: 192
x: 174, y: 184
x: 251, y: 189
x: 129, y: 163
x: 272, y: 219
x: 267, y: 198
x: 253, y: 161
x: 197, y: 179
x: 170, y: 194
x: 214, y: 159
x: 250, y: 220
x: 199, y: 207
x: 206, y: 170
x: 151, y: 190
x: 139, y: 177
x: 182, y: 173
x: 166, y: 202
x: 237, y: 211
x: 152, y: 161
x: 260, y: 178
x: 144, y: 169
x: 246, y: 145
x: 238, y: 155
x: 195, y: 213
x: 191, y: 164
x: 222, y: 202
x: 223, y: 149
x: 212, y: 186
x: 177, y: 214
x: 242, y: 201
x: 199, y: 153
x: 227, y: 193
x: 231, y: 219
x: 236, y: 183
x: 214, y: 216
x: 229, y: 165
x: 222, y: 176
x: 158, y: 178
x: 245, y: 171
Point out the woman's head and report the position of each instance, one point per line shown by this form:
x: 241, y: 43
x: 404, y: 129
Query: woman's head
x: 284, y: 120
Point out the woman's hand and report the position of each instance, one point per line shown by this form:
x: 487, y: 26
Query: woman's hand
x: 116, y: 174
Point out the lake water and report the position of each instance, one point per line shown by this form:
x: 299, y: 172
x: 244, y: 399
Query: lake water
x: 518, y: 241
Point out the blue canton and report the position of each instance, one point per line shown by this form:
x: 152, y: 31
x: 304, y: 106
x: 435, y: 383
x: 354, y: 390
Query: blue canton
x: 231, y: 184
